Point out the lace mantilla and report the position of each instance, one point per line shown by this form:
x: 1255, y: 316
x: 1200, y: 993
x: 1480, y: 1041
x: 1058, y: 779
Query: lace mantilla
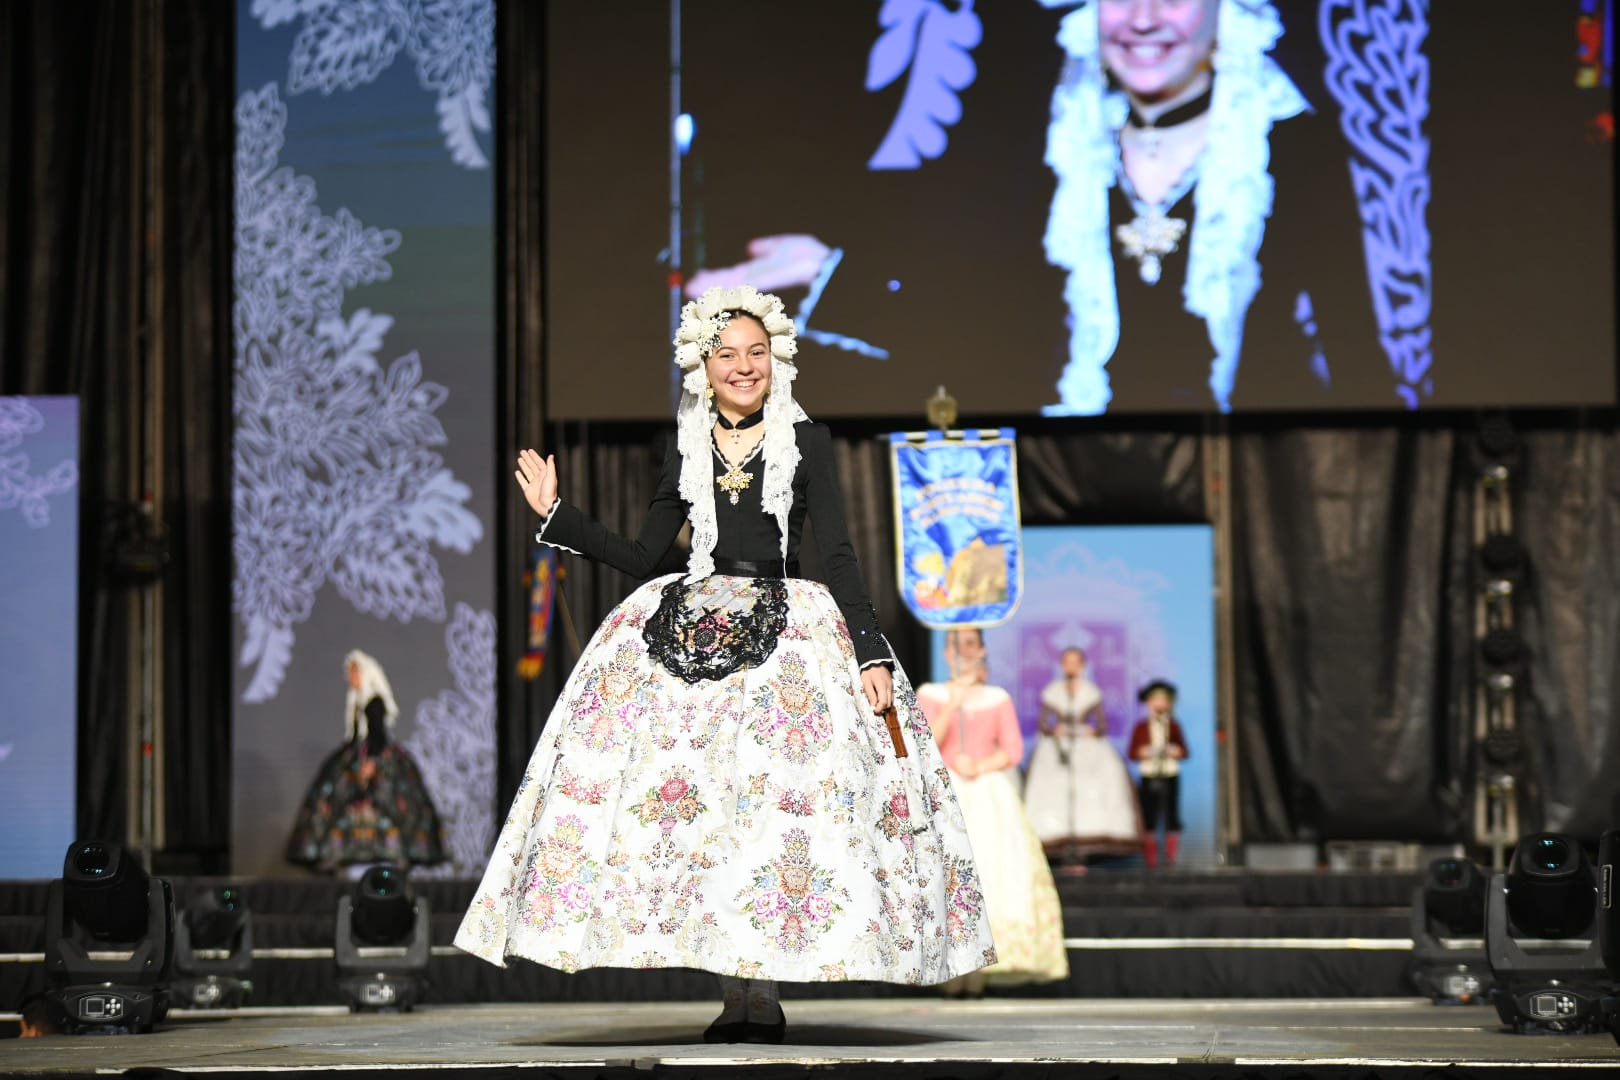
x: 1231, y: 203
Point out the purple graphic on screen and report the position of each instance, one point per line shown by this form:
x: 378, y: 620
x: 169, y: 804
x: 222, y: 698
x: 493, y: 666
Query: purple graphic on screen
x: 933, y: 43
x: 1378, y: 73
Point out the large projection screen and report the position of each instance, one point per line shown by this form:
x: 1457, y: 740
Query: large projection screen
x: 1382, y: 204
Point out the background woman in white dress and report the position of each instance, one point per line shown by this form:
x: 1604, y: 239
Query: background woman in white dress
x: 1078, y: 789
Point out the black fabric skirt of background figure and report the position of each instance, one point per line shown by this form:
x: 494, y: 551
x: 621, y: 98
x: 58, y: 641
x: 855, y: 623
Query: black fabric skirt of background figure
x: 1161, y: 803
x: 348, y: 818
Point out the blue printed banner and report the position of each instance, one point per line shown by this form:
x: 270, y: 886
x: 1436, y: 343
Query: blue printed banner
x: 956, y: 527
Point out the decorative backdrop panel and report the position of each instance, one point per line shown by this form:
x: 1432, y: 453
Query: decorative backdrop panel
x: 39, y: 603
x: 364, y: 399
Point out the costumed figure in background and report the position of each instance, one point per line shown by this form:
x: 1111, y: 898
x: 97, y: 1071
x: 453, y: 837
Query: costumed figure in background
x: 1078, y: 789
x: 1158, y: 747
x: 367, y: 803
x: 977, y: 731
x: 721, y: 784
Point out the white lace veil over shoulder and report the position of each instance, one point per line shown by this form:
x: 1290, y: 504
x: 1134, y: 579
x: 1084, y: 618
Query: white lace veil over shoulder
x: 373, y: 683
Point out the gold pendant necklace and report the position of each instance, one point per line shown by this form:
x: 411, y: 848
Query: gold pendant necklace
x: 734, y: 480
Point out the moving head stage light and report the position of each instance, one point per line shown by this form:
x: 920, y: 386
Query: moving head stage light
x: 382, y: 943
x: 1609, y: 914
x: 109, y: 940
x: 1448, y: 924
x: 1539, y: 935
x: 213, y: 950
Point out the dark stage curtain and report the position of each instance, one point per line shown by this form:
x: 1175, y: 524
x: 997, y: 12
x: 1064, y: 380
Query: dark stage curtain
x: 115, y: 157
x: 1351, y: 710
x: 192, y: 302
x: 520, y: 248
x: 1568, y: 516
x: 1356, y: 576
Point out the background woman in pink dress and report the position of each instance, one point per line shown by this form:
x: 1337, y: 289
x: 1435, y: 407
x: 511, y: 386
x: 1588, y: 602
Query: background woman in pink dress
x: 977, y: 731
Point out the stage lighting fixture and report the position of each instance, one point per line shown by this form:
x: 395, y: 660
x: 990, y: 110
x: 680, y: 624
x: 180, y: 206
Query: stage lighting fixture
x: 1502, y: 648
x: 213, y: 950
x: 1609, y: 917
x: 382, y: 943
x: 1540, y: 922
x: 109, y: 940
x: 1551, y: 891
x: 1448, y: 921
x: 1608, y: 902
x: 1502, y: 556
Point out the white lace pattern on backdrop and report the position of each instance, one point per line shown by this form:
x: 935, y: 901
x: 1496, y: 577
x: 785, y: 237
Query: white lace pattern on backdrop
x: 343, y: 44
x: 20, y: 488
x: 454, y: 744
x: 335, y: 478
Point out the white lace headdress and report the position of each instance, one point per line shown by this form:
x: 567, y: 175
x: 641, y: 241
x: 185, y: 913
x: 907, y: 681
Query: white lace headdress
x: 702, y: 321
x: 1231, y: 201
x: 373, y: 683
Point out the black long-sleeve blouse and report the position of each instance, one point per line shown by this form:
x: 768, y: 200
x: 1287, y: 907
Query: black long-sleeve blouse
x: 745, y: 532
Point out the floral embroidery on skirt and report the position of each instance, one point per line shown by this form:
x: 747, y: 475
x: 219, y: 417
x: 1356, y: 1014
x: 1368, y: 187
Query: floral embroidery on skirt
x: 757, y: 825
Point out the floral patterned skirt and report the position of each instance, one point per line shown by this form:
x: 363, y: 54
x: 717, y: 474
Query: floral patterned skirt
x: 757, y: 825
x: 349, y: 817
x: 1019, y: 894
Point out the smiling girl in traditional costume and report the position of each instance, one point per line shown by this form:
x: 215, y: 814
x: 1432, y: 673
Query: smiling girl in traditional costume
x: 718, y: 786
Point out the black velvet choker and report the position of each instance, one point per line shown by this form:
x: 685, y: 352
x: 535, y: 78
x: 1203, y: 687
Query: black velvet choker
x: 755, y: 417
x: 1197, y: 107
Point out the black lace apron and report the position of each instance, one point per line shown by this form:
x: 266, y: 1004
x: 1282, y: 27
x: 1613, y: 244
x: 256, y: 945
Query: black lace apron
x: 719, y: 625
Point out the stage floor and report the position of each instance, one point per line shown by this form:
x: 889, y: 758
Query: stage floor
x: 993, y: 1038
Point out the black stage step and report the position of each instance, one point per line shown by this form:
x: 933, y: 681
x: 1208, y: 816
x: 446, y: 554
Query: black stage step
x: 1130, y: 934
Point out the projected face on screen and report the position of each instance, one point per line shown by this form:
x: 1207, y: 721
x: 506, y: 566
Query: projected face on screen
x: 1088, y: 206
x: 1155, y: 51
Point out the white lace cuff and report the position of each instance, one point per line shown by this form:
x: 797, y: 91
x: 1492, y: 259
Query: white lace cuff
x: 540, y: 533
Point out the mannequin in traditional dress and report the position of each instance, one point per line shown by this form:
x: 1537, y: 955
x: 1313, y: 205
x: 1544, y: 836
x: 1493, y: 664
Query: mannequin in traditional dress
x: 367, y: 803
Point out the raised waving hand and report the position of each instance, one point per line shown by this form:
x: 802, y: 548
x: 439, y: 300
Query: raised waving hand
x: 537, y: 477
